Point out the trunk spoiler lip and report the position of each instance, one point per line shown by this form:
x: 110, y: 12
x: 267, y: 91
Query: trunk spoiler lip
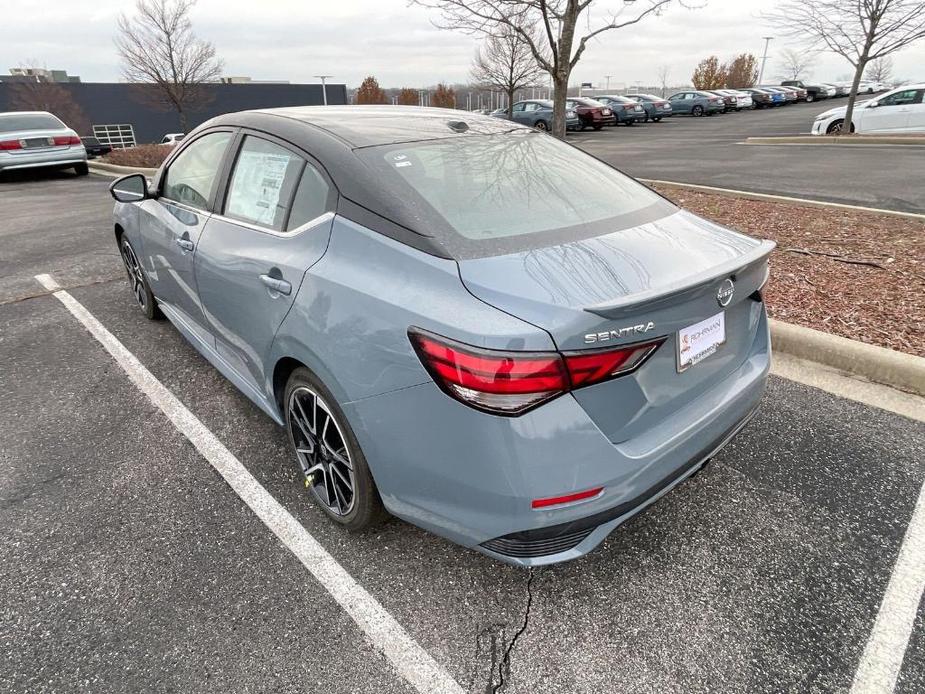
x: 639, y: 299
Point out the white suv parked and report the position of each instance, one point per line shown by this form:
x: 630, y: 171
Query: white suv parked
x: 901, y: 110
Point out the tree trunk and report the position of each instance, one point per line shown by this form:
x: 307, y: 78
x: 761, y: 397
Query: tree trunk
x: 182, y: 115
x: 853, y: 95
x: 560, y: 91
x: 510, y: 104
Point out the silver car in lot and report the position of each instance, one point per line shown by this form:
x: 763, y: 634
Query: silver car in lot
x: 37, y: 139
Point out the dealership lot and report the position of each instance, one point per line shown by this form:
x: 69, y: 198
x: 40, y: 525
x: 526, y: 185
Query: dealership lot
x: 711, y: 151
x: 132, y: 565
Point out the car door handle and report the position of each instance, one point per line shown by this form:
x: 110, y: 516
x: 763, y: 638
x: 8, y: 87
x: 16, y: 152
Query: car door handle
x: 185, y: 244
x: 276, y: 284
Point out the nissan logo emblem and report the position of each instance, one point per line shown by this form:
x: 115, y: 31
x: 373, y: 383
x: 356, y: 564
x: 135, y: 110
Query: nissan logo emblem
x: 725, y: 292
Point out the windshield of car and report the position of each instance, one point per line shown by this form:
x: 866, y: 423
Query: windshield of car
x: 10, y: 122
x: 519, y: 185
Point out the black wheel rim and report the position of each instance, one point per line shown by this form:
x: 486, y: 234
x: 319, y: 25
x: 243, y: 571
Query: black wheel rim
x: 321, y: 450
x: 135, y: 276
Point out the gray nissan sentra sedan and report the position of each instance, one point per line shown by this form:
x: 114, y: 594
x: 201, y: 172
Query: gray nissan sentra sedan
x: 460, y: 321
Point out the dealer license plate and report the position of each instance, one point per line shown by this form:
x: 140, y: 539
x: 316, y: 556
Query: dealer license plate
x: 698, y: 341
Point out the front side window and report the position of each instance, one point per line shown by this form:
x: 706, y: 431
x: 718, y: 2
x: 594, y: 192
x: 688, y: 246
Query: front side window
x: 519, y: 107
x: 903, y: 98
x: 262, y: 182
x: 191, y: 177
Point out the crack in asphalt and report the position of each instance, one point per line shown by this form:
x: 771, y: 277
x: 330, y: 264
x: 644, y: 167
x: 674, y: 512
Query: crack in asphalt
x: 505, y: 663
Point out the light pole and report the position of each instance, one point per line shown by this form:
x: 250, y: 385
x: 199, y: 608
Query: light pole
x: 607, y: 77
x: 324, y: 87
x: 764, y: 58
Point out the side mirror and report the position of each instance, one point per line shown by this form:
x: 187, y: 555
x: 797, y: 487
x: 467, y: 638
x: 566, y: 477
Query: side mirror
x: 873, y: 104
x: 131, y: 188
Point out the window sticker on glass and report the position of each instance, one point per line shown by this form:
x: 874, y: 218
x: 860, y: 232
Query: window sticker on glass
x: 400, y: 160
x: 257, y: 184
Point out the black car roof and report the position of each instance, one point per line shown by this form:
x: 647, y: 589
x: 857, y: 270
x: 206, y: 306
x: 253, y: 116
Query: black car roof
x: 368, y: 126
x: 333, y: 134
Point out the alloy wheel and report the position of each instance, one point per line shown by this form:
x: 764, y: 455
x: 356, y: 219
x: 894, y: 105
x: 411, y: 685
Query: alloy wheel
x: 135, y: 276
x: 321, y: 449
x: 541, y: 125
x: 835, y: 128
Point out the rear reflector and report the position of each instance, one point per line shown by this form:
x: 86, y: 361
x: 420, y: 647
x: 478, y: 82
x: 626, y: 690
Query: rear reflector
x: 10, y: 144
x: 511, y: 383
x: 566, y: 499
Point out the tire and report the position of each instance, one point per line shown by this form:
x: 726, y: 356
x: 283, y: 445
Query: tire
x: 810, y: 98
x: 597, y: 127
x: 836, y: 127
x: 541, y: 125
x: 330, y: 483
x: 138, y: 281
x: 657, y: 119
x: 697, y: 111
x: 81, y: 169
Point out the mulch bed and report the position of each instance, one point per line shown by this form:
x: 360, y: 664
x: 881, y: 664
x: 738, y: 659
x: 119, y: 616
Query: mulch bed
x: 856, y: 274
x: 142, y: 156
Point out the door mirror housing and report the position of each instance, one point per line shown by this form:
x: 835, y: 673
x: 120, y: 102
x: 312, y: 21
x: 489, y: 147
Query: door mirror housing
x: 131, y: 188
x: 873, y: 104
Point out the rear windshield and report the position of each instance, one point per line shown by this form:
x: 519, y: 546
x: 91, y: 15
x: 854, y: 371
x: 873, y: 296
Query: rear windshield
x: 512, y: 191
x: 10, y: 122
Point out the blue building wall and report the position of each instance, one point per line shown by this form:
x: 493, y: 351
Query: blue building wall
x: 120, y: 103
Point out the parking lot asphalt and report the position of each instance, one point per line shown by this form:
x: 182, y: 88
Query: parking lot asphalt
x: 711, y: 151
x: 128, y: 564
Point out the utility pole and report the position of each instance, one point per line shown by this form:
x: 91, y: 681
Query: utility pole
x: 324, y: 87
x: 607, y: 77
x: 764, y: 58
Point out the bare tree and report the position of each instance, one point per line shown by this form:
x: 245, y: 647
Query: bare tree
x: 557, y: 31
x: 880, y: 69
x: 858, y: 30
x: 663, y: 74
x: 794, y: 64
x: 39, y: 95
x: 158, y: 48
x: 505, y: 62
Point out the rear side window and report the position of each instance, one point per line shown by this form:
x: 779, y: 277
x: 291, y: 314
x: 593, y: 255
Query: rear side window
x: 516, y: 186
x: 192, y: 175
x: 264, y: 176
x: 311, y: 198
x: 10, y: 122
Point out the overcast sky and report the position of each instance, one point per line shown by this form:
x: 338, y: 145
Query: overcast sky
x: 296, y: 39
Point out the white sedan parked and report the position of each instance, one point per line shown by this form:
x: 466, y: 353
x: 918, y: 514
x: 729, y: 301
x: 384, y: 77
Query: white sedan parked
x: 901, y: 110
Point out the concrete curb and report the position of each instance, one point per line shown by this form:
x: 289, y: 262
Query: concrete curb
x: 113, y: 170
x: 747, y: 195
x: 850, y: 140
x: 885, y: 366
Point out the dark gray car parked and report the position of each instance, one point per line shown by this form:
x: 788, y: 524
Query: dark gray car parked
x: 537, y: 113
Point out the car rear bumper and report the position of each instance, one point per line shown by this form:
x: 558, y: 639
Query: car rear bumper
x: 471, y: 476
x: 65, y: 156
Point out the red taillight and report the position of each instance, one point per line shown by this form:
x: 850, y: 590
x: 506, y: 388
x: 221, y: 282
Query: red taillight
x: 513, y: 382
x: 565, y: 499
x: 67, y: 140
x: 500, y: 382
x: 10, y: 144
x: 585, y: 368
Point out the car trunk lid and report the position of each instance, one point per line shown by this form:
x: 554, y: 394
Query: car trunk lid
x: 643, y: 283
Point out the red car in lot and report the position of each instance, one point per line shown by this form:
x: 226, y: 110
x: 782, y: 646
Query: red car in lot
x: 593, y: 114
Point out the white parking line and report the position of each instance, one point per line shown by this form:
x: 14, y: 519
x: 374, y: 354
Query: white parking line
x: 407, y: 657
x: 883, y: 655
